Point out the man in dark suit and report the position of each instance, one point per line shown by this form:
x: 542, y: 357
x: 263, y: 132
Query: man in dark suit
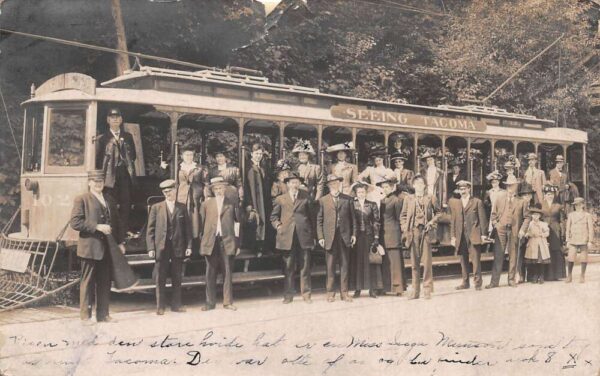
x: 291, y: 218
x: 336, y: 231
x: 468, y: 229
x: 95, y: 216
x: 219, y: 233
x: 115, y: 155
x: 508, y: 215
x: 169, y: 238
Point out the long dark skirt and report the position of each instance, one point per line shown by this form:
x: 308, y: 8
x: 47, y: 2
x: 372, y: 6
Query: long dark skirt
x: 364, y: 276
x: 557, y: 268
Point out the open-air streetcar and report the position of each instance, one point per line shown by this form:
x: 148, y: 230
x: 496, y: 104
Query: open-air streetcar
x: 163, y: 107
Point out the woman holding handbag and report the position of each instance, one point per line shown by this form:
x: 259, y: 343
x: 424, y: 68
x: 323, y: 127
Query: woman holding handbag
x: 365, y: 275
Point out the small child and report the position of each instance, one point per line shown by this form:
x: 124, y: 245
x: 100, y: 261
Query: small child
x: 579, y: 237
x: 537, y: 252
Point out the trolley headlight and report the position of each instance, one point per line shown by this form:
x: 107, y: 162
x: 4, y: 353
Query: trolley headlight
x: 32, y: 185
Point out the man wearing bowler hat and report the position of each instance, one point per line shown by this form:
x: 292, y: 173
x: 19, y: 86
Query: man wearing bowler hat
x: 468, y: 231
x: 509, y: 212
x: 219, y: 241
x: 336, y: 231
x: 95, y: 216
x: 115, y: 155
x: 169, y: 239
x: 291, y: 219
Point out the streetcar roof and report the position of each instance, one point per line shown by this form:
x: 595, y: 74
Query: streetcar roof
x: 125, y: 89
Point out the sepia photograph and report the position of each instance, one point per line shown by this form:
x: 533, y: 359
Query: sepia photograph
x: 299, y: 187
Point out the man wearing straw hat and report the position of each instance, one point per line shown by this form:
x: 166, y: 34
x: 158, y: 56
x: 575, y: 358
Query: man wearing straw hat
x: 169, y: 239
x: 508, y: 215
x: 219, y: 226
x: 291, y: 218
x: 347, y: 171
x: 535, y: 177
x: 96, y: 217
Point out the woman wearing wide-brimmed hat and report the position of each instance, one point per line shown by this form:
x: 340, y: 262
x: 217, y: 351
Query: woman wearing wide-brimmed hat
x: 311, y: 173
x: 342, y: 167
x: 282, y: 171
x: 553, y: 214
x: 363, y: 275
x: 404, y: 176
x: 377, y: 172
x: 537, y: 253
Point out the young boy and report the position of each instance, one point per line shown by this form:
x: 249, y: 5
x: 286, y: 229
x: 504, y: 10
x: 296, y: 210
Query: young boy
x: 579, y: 236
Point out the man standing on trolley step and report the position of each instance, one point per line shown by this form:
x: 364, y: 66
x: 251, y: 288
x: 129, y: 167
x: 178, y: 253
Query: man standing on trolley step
x: 115, y: 155
x: 468, y: 228
x: 291, y: 217
x: 95, y: 216
x: 169, y: 238
x: 219, y: 233
x: 336, y: 231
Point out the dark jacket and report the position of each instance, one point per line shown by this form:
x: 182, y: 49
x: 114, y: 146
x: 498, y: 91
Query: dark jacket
x: 391, y: 208
x: 86, y: 214
x: 258, y: 197
x: 367, y: 219
x: 208, y: 226
x: 181, y: 229
x: 329, y: 218
x: 471, y: 219
x: 451, y: 183
x: 109, y: 152
x: 292, y: 217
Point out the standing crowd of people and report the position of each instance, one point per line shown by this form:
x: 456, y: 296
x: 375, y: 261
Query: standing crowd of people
x: 366, y: 222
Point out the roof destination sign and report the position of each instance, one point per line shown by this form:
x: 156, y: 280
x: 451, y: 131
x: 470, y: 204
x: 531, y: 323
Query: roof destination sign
x: 437, y: 122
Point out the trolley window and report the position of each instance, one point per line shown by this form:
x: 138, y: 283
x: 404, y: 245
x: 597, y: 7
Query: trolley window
x: 66, y: 140
x: 32, y: 155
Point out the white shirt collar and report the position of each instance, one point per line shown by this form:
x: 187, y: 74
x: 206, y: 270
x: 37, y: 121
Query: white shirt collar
x: 116, y: 134
x: 187, y: 166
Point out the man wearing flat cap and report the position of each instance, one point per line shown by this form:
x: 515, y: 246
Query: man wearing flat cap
x: 115, y: 155
x: 291, y: 218
x: 468, y: 231
x: 336, y: 231
x: 96, y: 217
x: 508, y: 215
x: 168, y: 240
x: 219, y: 241
x: 535, y: 177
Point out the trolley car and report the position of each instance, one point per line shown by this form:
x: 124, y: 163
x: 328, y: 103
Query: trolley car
x: 162, y: 107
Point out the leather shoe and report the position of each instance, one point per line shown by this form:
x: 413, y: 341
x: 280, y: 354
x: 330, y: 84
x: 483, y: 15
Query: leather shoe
x: 372, y: 294
x: 307, y: 300
x: 347, y: 299
x: 356, y: 294
x: 478, y: 288
x: 230, y: 307
x: 108, y: 319
x: 512, y: 284
x: 569, y: 279
x: 461, y: 287
x: 490, y: 286
x: 208, y: 307
x: 330, y: 299
x: 287, y: 300
x: 160, y: 311
x: 179, y: 309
